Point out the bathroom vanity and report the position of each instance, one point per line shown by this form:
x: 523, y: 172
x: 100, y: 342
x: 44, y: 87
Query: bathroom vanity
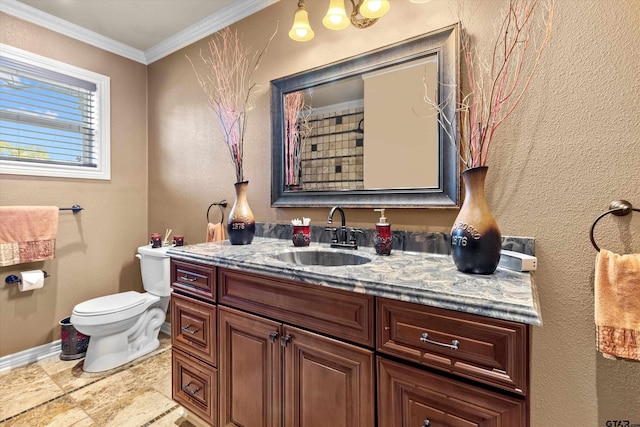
x: 402, y: 340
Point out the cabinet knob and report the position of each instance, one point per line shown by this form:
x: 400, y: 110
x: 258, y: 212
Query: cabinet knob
x: 273, y: 336
x: 285, y: 340
x: 426, y: 423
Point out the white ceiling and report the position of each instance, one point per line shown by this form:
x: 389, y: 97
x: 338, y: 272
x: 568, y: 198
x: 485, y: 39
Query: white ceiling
x: 143, y: 30
x: 140, y: 24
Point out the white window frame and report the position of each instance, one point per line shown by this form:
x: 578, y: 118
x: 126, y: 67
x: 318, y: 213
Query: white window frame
x: 102, y: 129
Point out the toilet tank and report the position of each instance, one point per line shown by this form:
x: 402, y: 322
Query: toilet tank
x: 155, y: 268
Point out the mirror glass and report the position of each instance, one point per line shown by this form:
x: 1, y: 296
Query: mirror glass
x: 358, y: 133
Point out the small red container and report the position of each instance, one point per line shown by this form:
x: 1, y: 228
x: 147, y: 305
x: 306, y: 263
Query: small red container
x: 156, y: 240
x: 301, y: 235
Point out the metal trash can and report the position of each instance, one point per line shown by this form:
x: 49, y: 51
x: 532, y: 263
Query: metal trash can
x: 74, y: 344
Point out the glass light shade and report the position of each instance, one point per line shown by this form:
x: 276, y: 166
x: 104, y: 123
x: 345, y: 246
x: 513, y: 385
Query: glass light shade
x: 301, y: 30
x: 336, y: 17
x: 374, y: 8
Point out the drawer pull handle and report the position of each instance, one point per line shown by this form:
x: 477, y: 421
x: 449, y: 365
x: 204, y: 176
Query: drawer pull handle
x: 190, y: 331
x: 426, y: 423
x: 187, y: 390
x: 453, y: 346
x: 189, y: 279
x: 273, y: 336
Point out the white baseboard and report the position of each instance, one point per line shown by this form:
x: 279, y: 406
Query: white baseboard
x: 35, y: 354
x: 30, y: 355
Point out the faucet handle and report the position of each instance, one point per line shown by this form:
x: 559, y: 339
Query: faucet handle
x: 353, y: 234
x: 334, y: 233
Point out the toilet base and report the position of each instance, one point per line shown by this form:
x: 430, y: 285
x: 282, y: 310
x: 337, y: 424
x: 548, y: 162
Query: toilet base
x: 110, y: 351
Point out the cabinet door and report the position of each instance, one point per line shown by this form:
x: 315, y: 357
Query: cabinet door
x: 250, y: 373
x: 410, y: 397
x: 327, y: 382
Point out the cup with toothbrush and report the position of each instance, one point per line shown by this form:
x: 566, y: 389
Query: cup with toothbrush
x: 301, y: 232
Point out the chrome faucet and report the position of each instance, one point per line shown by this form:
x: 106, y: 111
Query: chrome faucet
x: 346, y: 238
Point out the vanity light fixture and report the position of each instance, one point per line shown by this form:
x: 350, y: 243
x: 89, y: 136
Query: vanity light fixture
x: 373, y: 9
x: 301, y: 30
x: 364, y: 14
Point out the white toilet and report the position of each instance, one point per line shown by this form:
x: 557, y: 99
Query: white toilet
x: 125, y: 326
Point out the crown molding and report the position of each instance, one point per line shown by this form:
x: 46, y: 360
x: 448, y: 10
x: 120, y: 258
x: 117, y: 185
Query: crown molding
x: 53, y: 23
x: 209, y: 25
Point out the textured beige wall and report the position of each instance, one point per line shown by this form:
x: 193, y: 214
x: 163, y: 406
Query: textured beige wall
x: 95, y: 248
x: 570, y: 149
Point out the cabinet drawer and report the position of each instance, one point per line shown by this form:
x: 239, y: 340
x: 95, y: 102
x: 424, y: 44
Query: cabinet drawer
x: 410, y: 397
x: 195, y: 386
x: 342, y: 314
x: 195, y: 279
x: 489, y: 350
x: 194, y: 327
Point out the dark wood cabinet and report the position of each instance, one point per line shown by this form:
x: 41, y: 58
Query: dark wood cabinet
x: 411, y: 397
x: 342, y: 314
x: 194, y: 330
x: 252, y: 350
x: 194, y: 386
x: 194, y: 279
x: 250, y: 370
x: 326, y: 382
x: 194, y: 327
x: 492, y: 351
x: 270, y: 370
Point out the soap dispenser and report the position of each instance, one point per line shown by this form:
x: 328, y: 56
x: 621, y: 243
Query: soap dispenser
x: 382, y: 240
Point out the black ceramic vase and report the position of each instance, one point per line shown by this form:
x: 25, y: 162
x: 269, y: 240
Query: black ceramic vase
x: 475, y: 237
x: 241, y: 225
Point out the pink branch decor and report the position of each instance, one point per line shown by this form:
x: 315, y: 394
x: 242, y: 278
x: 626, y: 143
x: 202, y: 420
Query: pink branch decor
x: 497, y: 83
x: 498, y: 80
x: 229, y: 88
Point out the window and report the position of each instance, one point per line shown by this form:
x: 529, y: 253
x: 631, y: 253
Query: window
x: 54, y: 118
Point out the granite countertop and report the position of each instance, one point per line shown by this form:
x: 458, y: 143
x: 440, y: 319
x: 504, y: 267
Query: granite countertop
x: 407, y: 276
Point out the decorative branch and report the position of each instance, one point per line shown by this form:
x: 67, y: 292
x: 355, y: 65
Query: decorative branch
x: 297, y: 129
x: 497, y: 86
x: 229, y: 88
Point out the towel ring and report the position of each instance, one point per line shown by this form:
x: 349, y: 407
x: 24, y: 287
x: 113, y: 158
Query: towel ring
x: 221, y: 204
x: 618, y: 208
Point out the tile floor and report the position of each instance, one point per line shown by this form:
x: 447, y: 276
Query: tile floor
x: 58, y: 393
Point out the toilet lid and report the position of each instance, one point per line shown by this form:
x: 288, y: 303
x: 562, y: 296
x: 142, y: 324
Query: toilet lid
x: 109, y: 303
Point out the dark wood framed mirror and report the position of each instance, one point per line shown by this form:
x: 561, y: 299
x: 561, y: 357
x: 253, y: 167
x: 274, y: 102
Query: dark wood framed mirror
x: 360, y: 134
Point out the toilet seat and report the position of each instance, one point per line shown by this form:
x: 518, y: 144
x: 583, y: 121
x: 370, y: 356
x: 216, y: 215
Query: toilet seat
x: 109, y: 304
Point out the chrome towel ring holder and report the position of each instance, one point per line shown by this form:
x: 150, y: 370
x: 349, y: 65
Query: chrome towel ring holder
x: 221, y: 204
x: 617, y: 208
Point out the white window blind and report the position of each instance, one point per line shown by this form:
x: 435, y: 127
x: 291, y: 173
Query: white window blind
x: 53, y: 118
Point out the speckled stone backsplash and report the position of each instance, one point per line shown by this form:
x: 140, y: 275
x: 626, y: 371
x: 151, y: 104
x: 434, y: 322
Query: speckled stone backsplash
x: 416, y: 241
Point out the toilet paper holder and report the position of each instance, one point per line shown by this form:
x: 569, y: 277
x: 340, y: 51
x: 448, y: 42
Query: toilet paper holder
x: 15, y: 279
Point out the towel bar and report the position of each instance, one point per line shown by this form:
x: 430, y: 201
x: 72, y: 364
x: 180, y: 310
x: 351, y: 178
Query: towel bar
x: 15, y: 279
x: 74, y: 208
x: 618, y: 208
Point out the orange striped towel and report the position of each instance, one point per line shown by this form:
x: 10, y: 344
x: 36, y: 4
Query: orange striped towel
x: 617, y: 305
x: 27, y: 234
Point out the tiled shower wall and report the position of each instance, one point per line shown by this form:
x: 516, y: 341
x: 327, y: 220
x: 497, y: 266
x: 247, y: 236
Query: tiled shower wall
x: 332, y: 153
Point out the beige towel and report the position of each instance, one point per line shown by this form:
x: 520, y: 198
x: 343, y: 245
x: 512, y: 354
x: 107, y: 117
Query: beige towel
x: 215, y: 232
x: 617, y: 304
x: 27, y: 233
